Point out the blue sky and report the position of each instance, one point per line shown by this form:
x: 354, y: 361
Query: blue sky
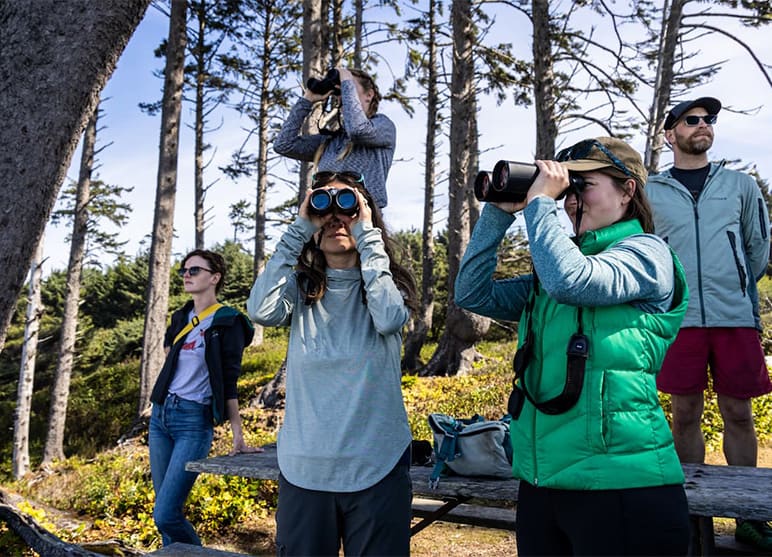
x: 506, y: 132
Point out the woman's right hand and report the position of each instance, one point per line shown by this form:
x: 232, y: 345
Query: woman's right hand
x: 309, y: 95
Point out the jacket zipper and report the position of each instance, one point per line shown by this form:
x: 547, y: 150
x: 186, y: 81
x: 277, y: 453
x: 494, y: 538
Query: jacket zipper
x: 699, y: 258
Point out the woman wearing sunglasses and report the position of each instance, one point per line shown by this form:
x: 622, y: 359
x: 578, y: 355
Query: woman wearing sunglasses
x: 195, y: 390
x: 344, y: 446
x: 598, y: 471
x: 364, y: 142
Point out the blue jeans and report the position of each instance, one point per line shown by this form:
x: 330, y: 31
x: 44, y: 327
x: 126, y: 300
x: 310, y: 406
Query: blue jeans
x: 180, y: 430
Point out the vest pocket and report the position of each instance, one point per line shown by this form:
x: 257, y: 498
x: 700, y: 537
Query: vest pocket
x: 597, y: 410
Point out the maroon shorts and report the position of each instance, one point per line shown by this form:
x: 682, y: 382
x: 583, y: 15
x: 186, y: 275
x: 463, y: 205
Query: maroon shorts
x: 732, y: 355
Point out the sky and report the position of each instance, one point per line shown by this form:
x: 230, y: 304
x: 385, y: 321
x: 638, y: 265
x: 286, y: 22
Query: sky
x: 507, y: 132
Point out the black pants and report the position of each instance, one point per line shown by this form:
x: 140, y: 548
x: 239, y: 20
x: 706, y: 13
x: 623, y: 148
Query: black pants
x: 374, y: 521
x: 642, y: 521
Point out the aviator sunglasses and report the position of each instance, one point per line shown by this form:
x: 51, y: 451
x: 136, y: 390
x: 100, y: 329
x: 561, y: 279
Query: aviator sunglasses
x: 694, y: 120
x: 583, y: 148
x: 192, y: 271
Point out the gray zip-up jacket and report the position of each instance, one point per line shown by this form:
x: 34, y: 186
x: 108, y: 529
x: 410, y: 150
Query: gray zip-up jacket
x: 722, y: 240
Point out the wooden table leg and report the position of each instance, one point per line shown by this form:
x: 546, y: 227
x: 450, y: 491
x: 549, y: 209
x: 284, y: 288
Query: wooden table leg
x: 449, y: 505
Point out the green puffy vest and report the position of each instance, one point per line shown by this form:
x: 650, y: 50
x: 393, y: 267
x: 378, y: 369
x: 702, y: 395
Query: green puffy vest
x: 616, y: 436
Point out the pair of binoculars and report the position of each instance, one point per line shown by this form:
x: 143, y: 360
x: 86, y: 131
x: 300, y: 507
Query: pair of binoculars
x: 330, y: 82
x: 510, y: 181
x: 340, y: 200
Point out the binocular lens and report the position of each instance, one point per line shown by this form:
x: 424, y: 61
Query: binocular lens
x: 342, y: 200
x: 321, y: 201
x: 346, y: 200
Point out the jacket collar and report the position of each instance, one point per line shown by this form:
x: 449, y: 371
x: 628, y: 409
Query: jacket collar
x: 595, y: 241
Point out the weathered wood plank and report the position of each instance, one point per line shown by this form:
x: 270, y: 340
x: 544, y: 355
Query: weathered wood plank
x: 729, y: 491
x: 725, y: 491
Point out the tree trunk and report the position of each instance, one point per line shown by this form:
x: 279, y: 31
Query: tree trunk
x: 663, y: 86
x: 544, y: 81
x: 274, y: 392
x: 423, y: 322
x: 263, y: 129
x: 163, y: 220
x: 60, y: 389
x: 455, y: 351
x: 55, y: 58
x: 358, y: 9
x: 198, y: 126
x: 314, y: 64
x: 29, y: 349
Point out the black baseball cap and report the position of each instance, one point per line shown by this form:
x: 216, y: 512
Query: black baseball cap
x: 713, y: 106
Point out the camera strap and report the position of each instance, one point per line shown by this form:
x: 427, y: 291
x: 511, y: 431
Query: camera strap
x: 576, y: 361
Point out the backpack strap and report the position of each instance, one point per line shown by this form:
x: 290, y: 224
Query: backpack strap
x: 448, y: 449
x: 196, y: 319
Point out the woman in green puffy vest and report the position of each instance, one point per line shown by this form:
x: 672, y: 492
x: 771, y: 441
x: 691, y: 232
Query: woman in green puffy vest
x: 598, y: 471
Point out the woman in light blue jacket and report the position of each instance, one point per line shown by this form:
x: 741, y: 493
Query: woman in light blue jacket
x: 344, y: 446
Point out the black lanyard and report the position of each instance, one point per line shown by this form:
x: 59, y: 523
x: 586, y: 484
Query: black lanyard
x: 576, y: 352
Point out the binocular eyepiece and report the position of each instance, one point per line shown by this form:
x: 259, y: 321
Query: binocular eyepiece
x: 330, y: 82
x: 510, y: 181
x: 343, y: 200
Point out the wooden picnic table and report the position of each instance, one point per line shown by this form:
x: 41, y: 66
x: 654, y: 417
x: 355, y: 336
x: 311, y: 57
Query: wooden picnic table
x: 711, y: 490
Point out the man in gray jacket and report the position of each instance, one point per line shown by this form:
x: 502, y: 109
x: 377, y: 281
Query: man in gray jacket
x: 716, y: 221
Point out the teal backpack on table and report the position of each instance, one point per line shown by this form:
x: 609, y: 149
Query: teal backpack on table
x: 471, y: 447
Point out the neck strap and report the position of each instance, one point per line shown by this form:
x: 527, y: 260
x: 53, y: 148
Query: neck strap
x: 196, y: 320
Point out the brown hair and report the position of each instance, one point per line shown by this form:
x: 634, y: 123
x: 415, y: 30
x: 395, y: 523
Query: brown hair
x: 312, y: 264
x: 368, y: 84
x: 639, y: 207
x: 215, y: 261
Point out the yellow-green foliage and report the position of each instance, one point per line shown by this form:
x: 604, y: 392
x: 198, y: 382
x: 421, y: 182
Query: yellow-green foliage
x: 116, y: 490
x: 484, y: 392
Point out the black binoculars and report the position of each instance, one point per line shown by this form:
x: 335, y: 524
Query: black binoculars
x: 509, y: 182
x: 343, y: 200
x: 330, y: 82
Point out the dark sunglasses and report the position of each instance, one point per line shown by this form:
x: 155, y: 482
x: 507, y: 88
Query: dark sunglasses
x: 694, y: 120
x: 192, y: 271
x: 323, y: 178
x: 583, y: 148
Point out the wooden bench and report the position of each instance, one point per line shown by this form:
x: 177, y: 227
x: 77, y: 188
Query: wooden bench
x: 712, y: 491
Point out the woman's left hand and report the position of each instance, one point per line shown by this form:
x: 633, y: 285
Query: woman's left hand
x: 551, y: 181
x: 365, y: 211
x: 240, y: 447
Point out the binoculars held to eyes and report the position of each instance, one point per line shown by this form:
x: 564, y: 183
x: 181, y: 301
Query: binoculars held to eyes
x: 510, y: 181
x: 330, y: 82
x: 340, y: 200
